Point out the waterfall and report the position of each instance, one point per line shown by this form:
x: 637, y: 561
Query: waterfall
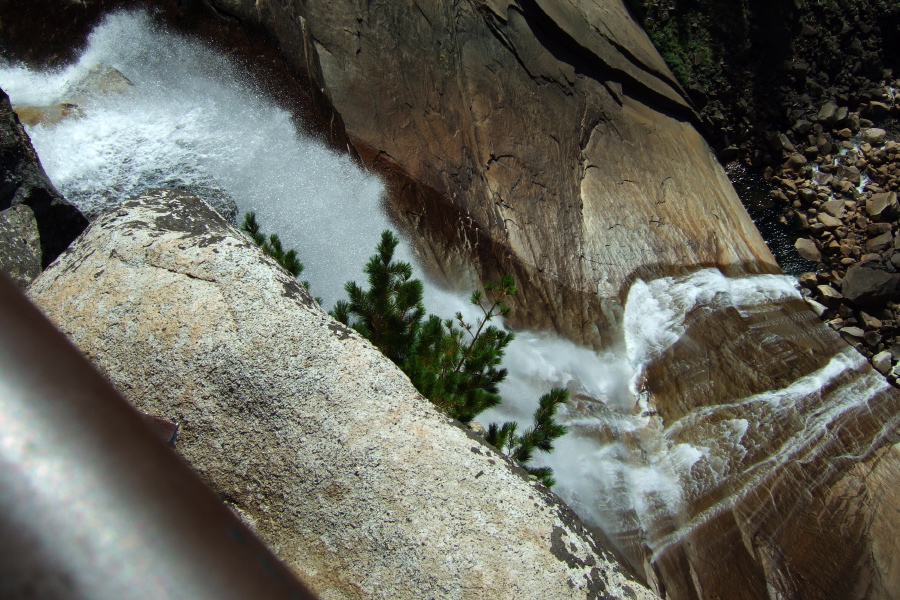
x: 195, y: 120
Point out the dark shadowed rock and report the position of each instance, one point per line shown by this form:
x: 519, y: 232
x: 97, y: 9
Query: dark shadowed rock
x: 870, y: 284
x: 880, y: 243
x: 850, y: 174
x: 882, y: 206
x: 827, y: 113
x: 20, y: 245
x: 318, y: 441
x: 23, y: 181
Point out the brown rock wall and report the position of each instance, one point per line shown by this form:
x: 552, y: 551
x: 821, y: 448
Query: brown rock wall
x: 552, y: 130
x: 796, y: 508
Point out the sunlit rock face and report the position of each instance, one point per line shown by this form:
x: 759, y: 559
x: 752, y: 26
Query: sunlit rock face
x: 545, y: 139
x: 548, y: 139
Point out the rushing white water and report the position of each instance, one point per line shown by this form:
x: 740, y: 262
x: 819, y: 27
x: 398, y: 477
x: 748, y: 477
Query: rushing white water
x: 193, y: 121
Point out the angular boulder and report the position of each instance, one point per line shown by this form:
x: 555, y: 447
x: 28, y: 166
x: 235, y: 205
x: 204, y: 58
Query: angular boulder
x: 882, y: 205
x: 23, y: 181
x: 317, y: 440
x: 874, y: 136
x: 808, y: 250
x: 880, y: 243
x: 828, y: 221
x: 98, y: 81
x: 835, y: 208
x: 870, y: 284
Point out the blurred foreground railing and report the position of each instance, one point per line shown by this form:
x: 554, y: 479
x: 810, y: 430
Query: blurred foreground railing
x: 93, y: 505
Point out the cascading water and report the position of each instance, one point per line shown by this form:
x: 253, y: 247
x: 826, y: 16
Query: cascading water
x: 193, y: 121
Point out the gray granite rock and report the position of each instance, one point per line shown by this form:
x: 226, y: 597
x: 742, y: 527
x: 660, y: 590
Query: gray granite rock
x: 357, y: 482
x: 882, y: 362
x: 23, y: 181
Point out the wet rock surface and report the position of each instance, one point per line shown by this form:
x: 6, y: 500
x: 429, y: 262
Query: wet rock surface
x: 317, y: 440
x: 767, y: 504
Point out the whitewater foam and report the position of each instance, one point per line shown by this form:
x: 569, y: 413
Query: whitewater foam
x: 655, y: 311
x: 196, y: 122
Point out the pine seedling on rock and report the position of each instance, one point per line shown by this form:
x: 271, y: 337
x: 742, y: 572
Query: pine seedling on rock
x: 454, y: 363
x: 539, y: 436
x: 251, y: 226
x: 457, y: 368
x: 390, y: 312
x: 272, y: 247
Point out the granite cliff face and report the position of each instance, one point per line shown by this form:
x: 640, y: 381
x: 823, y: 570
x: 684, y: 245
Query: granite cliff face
x: 547, y: 139
x: 544, y: 139
x: 323, y: 446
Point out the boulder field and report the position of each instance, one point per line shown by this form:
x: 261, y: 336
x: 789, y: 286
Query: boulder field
x: 317, y: 440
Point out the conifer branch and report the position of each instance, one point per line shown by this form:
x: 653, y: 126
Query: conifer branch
x: 272, y: 247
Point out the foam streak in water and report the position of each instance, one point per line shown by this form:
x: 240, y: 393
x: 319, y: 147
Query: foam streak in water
x: 655, y: 312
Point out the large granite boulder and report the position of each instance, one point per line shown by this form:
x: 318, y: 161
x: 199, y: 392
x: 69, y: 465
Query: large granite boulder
x: 538, y: 138
x: 318, y: 441
x: 23, y: 181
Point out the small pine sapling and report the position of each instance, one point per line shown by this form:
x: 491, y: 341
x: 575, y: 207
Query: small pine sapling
x: 272, y: 247
x: 390, y: 312
x: 458, y: 368
x: 453, y: 363
x: 539, y: 436
x: 251, y: 226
